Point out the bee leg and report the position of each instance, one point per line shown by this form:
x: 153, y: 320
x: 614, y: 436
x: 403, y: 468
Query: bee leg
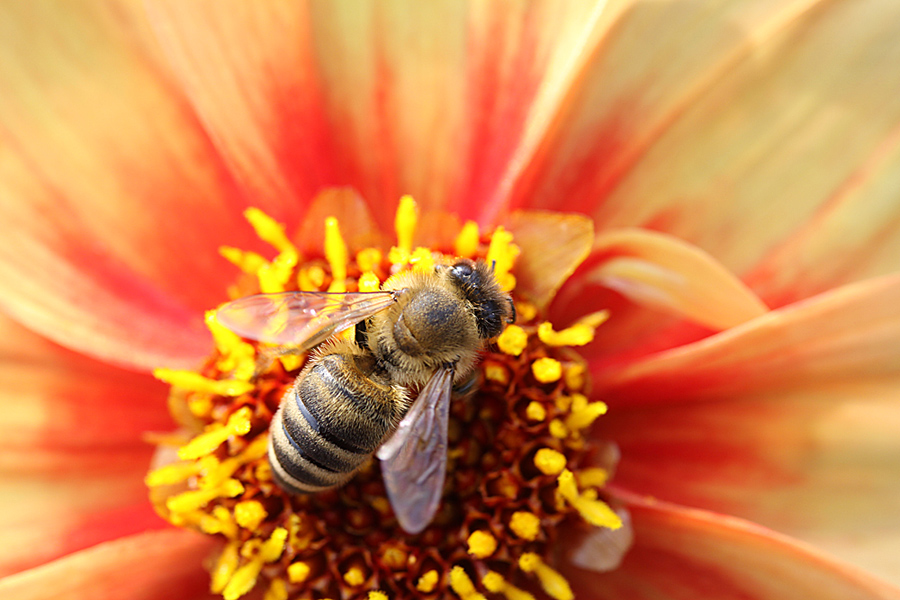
x: 360, y: 335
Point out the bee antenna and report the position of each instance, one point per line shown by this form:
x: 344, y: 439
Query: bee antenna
x: 512, y: 310
x: 493, y: 264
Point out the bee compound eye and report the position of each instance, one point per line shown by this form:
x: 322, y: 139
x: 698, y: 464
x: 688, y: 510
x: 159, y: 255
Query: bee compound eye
x: 462, y: 271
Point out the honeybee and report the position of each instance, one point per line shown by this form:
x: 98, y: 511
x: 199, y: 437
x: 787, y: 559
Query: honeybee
x: 422, y: 332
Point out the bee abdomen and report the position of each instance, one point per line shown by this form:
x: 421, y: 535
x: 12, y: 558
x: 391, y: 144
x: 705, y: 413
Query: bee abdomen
x: 330, y: 422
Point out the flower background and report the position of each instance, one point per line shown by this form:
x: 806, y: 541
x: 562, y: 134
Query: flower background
x: 766, y: 134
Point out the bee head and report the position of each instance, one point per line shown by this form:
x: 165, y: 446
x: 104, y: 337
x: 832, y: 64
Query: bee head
x: 490, y: 304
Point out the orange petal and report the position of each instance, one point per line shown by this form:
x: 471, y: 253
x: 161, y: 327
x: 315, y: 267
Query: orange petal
x: 103, y: 161
x: 164, y: 565
x: 553, y: 245
x: 732, y: 129
x: 358, y: 227
x: 843, y: 335
x: 684, y: 554
x: 667, y: 274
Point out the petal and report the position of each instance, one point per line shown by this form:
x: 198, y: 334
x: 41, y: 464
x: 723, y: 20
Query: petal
x: 683, y: 554
x: 154, y: 565
x: 355, y: 220
x: 553, y: 245
x: 732, y: 129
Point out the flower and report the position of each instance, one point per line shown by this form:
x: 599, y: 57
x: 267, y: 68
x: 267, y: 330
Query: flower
x: 751, y: 139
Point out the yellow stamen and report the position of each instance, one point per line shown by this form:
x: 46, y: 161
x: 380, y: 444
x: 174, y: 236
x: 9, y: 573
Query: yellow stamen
x: 268, y: 229
x: 482, y: 544
x: 462, y: 585
x: 277, y: 590
x: 194, y: 382
x: 578, y: 334
x: 494, y: 583
x: 525, y: 311
x: 467, y: 241
x: 526, y: 525
x: 513, y: 340
x: 249, y: 514
x: 592, y: 477
x: 405, y: 223
x: 225, y: 567
x: 558, y: 429
x: 238, y: 356
x: 582, y: 417
x: 246, y: 261
x: 427, y: 582
x: 553, y: 583
x: 310, y: 279
x: 502, y: 255
x: 172, y: 474
x: 376, y: 595
x: 422, y: 260
x: 546, y: 370
x: 215, y: 434
x: 595, y: 512
x: 368, y: 259
x: 535, y: 411
x: 245, y: 577
x: 574, y: 375
x: 298, y: 572
x: 291, y: 362
x: 549, y: 462
x: 355, y: 576
x: 196, y: 499
x: 219, y: 521
x: 496, y: 372
x: 368, y: 282
x: 336, y: 255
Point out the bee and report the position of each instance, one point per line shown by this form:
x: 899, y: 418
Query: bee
x: 354, y: 398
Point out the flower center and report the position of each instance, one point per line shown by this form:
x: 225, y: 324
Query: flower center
x: 519, y: 465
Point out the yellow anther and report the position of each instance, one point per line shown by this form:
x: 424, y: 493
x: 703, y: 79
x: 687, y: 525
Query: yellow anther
x: 376, y: 595
x: 526, y: 525
x: 268, y: 229
x: 369, y: 259
x: 422, y: 260
x: 513, y: 340
x: 225, y: 567
x: 277, y: 590
x: 196, y: 499
x: 249, y: 514
x: 578, y: 334
x: 546, y: 370
x: 481, y: 544
x: 553, y: 583
x: 336, y: 255
x: 311, y: 278
x: 467, y: 241
x: 243, y: 580
x: 171, y: 474
x: 427, y: 582
x: 273, y: 547
x: 405, y: 223
x: 494, y: 583
x: 592, y: 477
x: 549, y: 462
x: 574, y: 376
x: 535, y: 411
x: 238, y: 424
x: 496, y: 372
x: 355, y: 576
x: 502, y: 255
x: 218, y: 522
x: 200, y: 406
x: 595, y: 512
x: 462, y: 585
x: 291, y: 362
x: 195, y: 382
x: 237, y: 355
x: 558, y: 429
x: 525, y: 311
x: 368, y: 282
x: 582, y: 417
x: 273, y: 277
x: 246, y: 261
x: 298, y: 572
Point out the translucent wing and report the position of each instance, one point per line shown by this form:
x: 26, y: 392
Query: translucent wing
x: 414, y: 459
x: 301, y: 319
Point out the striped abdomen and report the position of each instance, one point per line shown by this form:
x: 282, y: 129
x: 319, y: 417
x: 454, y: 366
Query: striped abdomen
x: 330, y: 422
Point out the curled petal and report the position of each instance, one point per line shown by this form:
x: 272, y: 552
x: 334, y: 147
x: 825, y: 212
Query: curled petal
x: 163, y: 565
x: 683, y: 554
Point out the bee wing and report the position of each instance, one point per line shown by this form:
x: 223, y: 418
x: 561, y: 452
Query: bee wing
x: 301, y: 319
x: 414, y: 459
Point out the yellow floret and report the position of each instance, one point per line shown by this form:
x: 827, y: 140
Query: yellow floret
x: 467, y: 241
x: 481, y: 544
x: 277, y: 590
x: 368, y: 282
x: 595, y: 512
x: 462, y: 585
x: 427, y: 582
x: 368, y: 259
x: 246, y: 261
x: 526, y: 525
x: 249, y: 514
x: 195, y: 382
x: 535, y: 411
x: 552, y: 582
x: 298, y: 572
x: 502, y: 254
x: 225, y: 567
x: 549, y: 462
x: 405, y: 223
x: 546, y: 370
x: 354, y: 576
x: 376, y: 595
x: 494, y: 583
x: 336, y: 255
x: 214, y: 435
x: 578, y: 334
x: 513, y: 340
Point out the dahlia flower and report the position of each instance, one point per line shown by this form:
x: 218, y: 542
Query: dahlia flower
x: 694, y: 208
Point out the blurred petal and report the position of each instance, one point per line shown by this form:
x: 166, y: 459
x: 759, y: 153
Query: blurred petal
x: 354, y: 218
x: 684, y: 554
x: 159, y: 565
x: 733, y: 128
x: 789, y: 420
x: 662, y: 272
x: 553, y: 245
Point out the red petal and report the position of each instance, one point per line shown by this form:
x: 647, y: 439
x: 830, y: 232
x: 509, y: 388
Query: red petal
x: 160, y: 565
x: 685, y: 554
